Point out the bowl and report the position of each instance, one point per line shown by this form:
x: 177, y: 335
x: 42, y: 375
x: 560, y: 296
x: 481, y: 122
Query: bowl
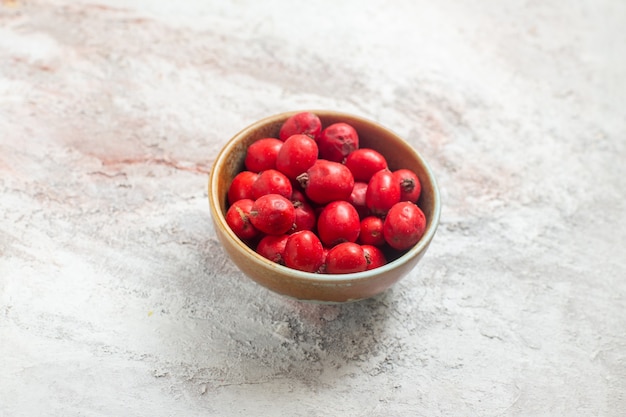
x: 307, y: 286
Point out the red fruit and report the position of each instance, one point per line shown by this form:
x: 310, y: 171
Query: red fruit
x: 238, y: 219
x: 298, y: 195
x: 325, y: 256
x: 357, y: 199
x: 345, y: 258
x: 404, y: 225
x: 272, y: 247
x: 298, y: 153
x: 271, y: 181
x: 410, y: 186
x: 305, y: 216
x: 305, y: 123
x: 365, y: 162
x: 372, y: 231
x: 338, y: 222
x: 337, y: 141
x: 327, y: 181
x: 375, y: 257
x: 261, y: 155
x: 241, y: 186
x: 273, y: 214
x: 304, y: 251
x: 383, y: 191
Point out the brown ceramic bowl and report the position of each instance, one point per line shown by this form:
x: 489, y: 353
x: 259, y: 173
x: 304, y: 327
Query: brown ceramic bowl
x: 310, y: 286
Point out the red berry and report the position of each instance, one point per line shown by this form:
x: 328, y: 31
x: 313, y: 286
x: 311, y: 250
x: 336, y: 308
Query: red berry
x: 305, y: 123
x: 383, y: 191
x: 404, y: 225
x: 241, y: 186
x: 345, y: 258
x: 337, y: 141
x: 372, y: 231
x: 365, y: 162
x: 238, y: 219
x: 327, y: 181
x: 304, y: 251
x: 261, y: 155
x: 306, y: 218
x: 271, y: 181
x: 273, y: 214
x: 298, y: 153
x: 357, y: 199
x: 338, y: 222
x: 410, y: 186
x: 297, y: 195
x: 272, y: 247
x: 375, y: 257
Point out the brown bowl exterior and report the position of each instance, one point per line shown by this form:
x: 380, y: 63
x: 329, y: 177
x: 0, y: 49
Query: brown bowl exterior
x: 310, y: 286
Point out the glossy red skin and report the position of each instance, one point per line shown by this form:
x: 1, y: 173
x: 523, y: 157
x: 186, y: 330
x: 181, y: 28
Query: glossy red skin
x: 404, y: 225
x: 304, y: 251
x: 375, y: 256
x: 298, y: 153
x: 337, y: 141
x: 338, y: 222
x: 238, y: 219
x: 273, y: 214
x: 272, y: 247
x: 357, y: 199
x: 365, y: 162
x: 372, y: 231
x: 271, y: 181
x: 306, y: 219
x: 345, y: 258
x: 383, y: 191
x: 410, y: 186
x: 298, y: 195
x: 262, y: 154
x: 305, y: 123
x: 327, y: 181
x: 241, y: 186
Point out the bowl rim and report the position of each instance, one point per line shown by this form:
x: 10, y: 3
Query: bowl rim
x: 218, y: 216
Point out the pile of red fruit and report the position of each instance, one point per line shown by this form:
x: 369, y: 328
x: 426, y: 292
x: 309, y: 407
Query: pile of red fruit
x: 313, y: 200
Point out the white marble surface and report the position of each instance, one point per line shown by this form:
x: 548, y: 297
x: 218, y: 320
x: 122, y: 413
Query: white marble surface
x: 116, y: 299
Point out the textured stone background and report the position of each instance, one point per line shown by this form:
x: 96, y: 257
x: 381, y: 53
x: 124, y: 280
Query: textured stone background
x: 116, y: 298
